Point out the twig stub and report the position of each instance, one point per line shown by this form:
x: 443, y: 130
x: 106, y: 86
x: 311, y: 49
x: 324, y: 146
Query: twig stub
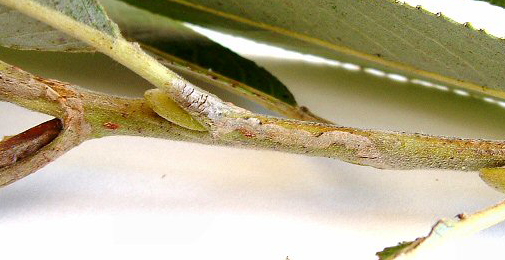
x: 28, y: 142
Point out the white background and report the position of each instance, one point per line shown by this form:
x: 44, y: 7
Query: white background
x: 142, y: 198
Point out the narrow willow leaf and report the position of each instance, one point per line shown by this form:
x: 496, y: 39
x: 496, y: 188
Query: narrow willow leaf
x: 28, y: 142
x: 168, y: 109
x: 385, y: 34
x: 183, y: 49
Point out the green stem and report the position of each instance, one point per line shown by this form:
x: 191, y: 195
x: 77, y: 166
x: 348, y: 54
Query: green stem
x: 446, y: 230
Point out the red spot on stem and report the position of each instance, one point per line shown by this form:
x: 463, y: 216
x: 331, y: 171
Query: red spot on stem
x: 246, y: 133
x: 111, y: 126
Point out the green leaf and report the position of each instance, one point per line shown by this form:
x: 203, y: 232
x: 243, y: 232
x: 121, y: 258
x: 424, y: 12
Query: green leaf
x: 23, y: 32
x: 384, y: 34
x: 186, y: 49
x: 495, y: 2
x: 392, y: 252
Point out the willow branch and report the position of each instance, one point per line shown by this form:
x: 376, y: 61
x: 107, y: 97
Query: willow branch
x: 87, y: 115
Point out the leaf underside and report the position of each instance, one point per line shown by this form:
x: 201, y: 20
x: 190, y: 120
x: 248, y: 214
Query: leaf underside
x: 383, y: 34
x: 88, y: 12
x: 19, y: 31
